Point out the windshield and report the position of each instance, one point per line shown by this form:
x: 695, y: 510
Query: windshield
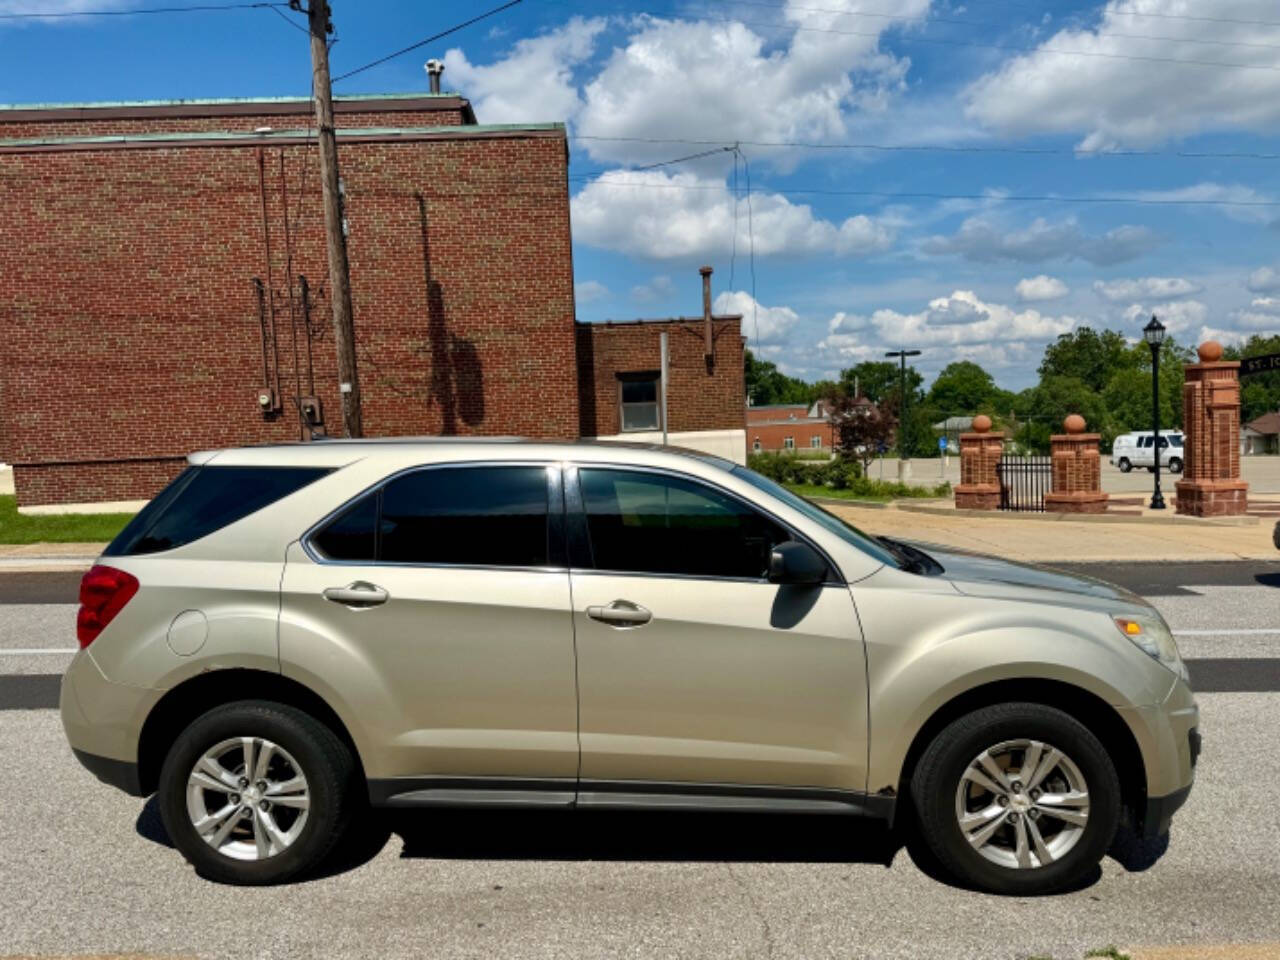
x: 828, y: 521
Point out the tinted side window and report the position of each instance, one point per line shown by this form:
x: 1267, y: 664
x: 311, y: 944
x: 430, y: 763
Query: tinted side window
x: 351, y: 534
x: 204, y: 499
x: 653, y: 523
x: 493, y: 516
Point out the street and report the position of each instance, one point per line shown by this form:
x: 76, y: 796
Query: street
x: 89, y: 870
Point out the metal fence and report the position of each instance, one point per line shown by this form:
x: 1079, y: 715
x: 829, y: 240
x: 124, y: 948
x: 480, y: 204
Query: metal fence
x: 1023, y: 482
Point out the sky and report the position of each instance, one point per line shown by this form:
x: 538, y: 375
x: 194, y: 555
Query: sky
x: 971, y: 179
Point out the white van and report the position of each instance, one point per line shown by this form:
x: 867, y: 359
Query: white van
x: 1138, y: 450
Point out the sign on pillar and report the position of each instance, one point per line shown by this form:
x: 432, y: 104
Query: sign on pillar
x: 1211, y: 484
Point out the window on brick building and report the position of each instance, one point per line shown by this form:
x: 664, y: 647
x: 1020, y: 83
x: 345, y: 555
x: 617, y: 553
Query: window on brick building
x: 788, y: 443
x: 756, y: 445
x: 639, y: 393
x: 816, y: 441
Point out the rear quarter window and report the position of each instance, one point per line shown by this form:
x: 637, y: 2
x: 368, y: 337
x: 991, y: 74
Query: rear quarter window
x: 203, y: 500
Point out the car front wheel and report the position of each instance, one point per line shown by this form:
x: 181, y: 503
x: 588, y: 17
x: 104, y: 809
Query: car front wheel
x: 256, y: 792
x: 1018, y: 798
x: 1124, y: 465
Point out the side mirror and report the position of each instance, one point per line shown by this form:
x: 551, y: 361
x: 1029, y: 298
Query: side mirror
x: 796, y: 563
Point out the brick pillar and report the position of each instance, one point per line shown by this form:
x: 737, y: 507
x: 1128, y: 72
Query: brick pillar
x: 1211, y: 484
x: 1077, y: 470
x: 979, y: 487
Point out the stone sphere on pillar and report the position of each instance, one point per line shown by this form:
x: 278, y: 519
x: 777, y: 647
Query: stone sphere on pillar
x: 1074, y: 423
x: 981, y: 423
x: 1210, y: 351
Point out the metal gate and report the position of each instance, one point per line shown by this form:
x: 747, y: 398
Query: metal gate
x: 1023, y: 482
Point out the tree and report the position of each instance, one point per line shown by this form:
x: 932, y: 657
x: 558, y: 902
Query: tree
x: 766, y: 384
x: 877, y: 380
x: 1260, y: 393
x: 962, y: 387
x: 1045, y: 407
x: 1088, y: 356
x: 861, y: 428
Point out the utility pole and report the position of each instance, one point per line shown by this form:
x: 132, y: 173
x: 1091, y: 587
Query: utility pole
x: 902, y: 400
x: 335, y: 233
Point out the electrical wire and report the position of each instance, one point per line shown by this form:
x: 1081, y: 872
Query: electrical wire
x: 942, y: 148
x: 422, y: 43
x: 201, y: 8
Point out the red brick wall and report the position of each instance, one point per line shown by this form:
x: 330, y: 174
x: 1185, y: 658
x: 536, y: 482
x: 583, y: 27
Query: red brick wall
x: 697, y: 399
x: 772, y: 435
x: 128, y: 301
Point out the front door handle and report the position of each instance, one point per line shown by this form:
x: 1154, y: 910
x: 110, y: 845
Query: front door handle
x: 358, y: 594
x: 621, y: 613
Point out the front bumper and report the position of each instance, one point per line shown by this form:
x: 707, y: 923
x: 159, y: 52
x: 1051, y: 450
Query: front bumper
x: 1168, y: 736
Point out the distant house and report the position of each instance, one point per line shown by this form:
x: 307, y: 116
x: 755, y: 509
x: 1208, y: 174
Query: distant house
x: 1261, y: 435
x: 789, y: 426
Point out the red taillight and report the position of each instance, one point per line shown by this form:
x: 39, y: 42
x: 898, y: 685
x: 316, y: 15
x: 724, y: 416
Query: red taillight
x: 103, y: 593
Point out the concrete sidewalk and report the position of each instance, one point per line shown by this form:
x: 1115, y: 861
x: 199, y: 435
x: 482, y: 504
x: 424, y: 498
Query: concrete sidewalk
x: 1032, y: 538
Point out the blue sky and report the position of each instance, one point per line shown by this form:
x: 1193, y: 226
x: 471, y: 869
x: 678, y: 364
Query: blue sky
x: 977, y: 245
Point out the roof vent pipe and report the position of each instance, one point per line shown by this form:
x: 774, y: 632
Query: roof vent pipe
x: 709, y: 347
x: 434, y: 68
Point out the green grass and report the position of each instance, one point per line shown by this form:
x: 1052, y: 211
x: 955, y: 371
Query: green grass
x: 57, y: 527
x: 812, y: 490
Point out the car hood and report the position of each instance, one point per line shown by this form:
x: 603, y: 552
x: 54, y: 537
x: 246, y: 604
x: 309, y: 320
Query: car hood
x: 977, y: 575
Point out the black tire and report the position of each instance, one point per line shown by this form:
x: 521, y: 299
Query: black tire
x: 326, y: 762
x: 1175, y: 465
x: 937, y: 777
x: 1124, y: 465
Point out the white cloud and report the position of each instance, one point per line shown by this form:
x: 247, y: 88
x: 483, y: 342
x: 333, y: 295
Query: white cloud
x: 760, y: 324
x: 659, y: 288
x: 589, y: 291
x: 960, y: 321
x: 57, y: 7
x: 1122, y: 93
x: 1238, y: 201
x: 1151, y: 288
x: 1266, y: 303
x: 1041, y: 288
x: 698, y: 79
x: 1178, y: 316
x: 1264, y: 280
x: 534, y: 82
x: 664, y: 215
x: 987, y: 240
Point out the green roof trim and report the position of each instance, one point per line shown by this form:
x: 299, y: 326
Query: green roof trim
x: 196, y: 136
x: 221, y: 101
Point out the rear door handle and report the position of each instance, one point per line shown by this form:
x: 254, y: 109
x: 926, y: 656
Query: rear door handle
x: 621, y: 613
x: 358, y: 594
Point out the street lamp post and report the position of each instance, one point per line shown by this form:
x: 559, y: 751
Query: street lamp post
x: 1153, y: 333
x: 902, y: 388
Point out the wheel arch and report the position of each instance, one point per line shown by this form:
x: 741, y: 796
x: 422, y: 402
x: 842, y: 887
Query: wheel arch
x: 1102, y: 720
x: 182, y: 704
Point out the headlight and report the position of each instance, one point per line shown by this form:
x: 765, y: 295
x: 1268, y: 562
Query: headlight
x: 1152, y: 635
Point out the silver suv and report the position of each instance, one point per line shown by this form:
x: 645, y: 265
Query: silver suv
x: 286, y: 635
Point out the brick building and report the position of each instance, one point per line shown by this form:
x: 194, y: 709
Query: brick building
x: 789, y: 426
x: 165, y: 289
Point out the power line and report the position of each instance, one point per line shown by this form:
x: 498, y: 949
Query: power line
x: 201, y: 8
x: 1161, y: 16
x: 608, y: 180
x: 942, y: 148
x: 424, y: 42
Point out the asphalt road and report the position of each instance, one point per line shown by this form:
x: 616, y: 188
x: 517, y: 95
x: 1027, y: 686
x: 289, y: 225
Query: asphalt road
x: 89, y: 870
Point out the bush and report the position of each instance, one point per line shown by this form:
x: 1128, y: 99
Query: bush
x: 788, y: 468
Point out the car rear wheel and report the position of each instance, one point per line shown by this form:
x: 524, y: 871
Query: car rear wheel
x: 1175, y: 465
x: 1018, y: 798
x: 1124, y: 465
x: 256, y: 793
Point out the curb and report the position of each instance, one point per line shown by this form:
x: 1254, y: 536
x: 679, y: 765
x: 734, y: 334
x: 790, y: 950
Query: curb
x: 1172, y: 520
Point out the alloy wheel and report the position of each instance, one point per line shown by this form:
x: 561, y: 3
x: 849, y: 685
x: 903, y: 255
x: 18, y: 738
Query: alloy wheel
x: 1022, y: 804
x: 248, y: 798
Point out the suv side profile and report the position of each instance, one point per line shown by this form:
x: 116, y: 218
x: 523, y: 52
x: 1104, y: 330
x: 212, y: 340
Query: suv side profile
x: 286, y: 635
x: 1139, y: 450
